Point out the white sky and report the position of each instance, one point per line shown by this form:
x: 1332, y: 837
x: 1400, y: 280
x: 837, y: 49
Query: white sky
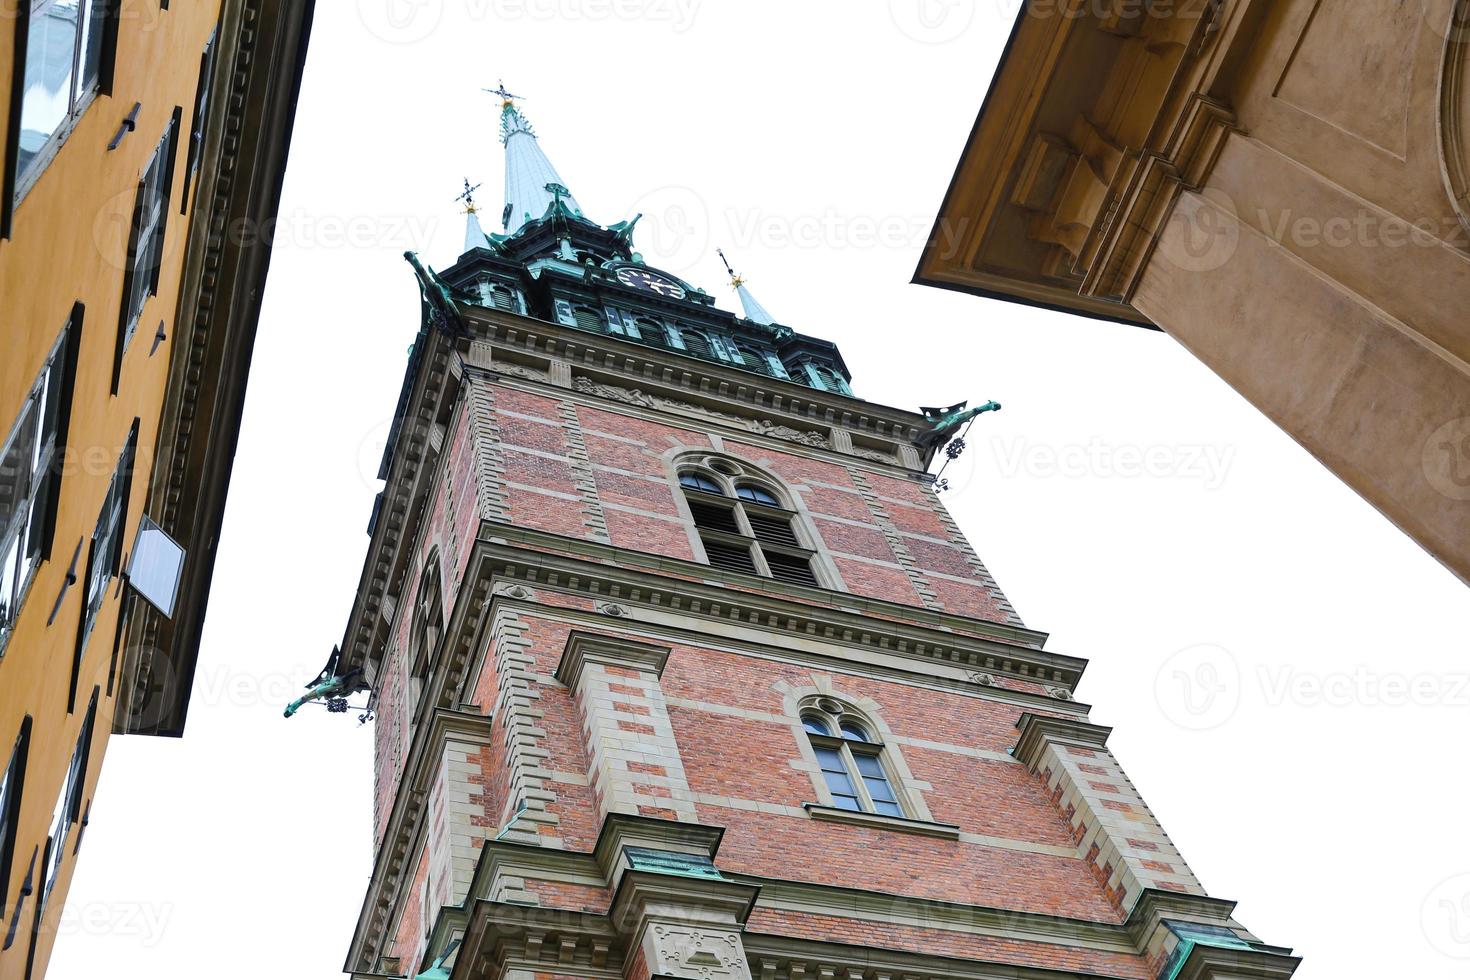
x: 814, y: 142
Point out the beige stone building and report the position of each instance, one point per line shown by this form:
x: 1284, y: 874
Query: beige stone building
x: 1283, y: 187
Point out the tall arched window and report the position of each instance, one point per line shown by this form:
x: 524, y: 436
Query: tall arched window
x: 424, y: 633
x: 745, y: 524
x: 851, y: 758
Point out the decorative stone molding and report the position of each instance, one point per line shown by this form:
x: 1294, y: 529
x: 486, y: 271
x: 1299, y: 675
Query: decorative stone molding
x: 879, y: 821
x: 581, y: 466
x: 685, y: 927
x: 517, y: 683
x: 885, y: 524
x: 642, y: 399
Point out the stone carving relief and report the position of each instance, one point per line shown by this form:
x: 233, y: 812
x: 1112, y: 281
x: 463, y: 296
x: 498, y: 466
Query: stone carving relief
x: 519, y: 371
x: 700, y: 954
x: 636, y: 396
x: 513, y: 591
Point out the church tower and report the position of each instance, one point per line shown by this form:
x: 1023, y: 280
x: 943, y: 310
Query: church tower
x: 681, y: 669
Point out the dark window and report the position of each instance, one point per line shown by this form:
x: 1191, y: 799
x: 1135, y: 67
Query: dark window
x: 424, y: 632
x: 588, y: 318
x: 68, y: 805
x: 746, y: 530
x: 10, y: 790
x: 697, y: 344
x: 757, y: 495
x: 695, y: 481
x: 651, y: 332
x: 201, y: 116
x: 106, y: 551
x: 145, y: 241
x: 731, y: 557
x: 30, y: 474
x: 63, y: 68
x: 852, y: 764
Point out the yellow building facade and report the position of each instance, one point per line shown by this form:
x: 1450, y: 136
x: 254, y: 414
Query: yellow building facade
x: 1281, y: 185
x: 136, y: 136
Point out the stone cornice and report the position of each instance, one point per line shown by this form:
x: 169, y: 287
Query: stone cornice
x: 247, y: 139
x: 1039, y: 730
x: 604, y: 357
x: 583, y: 648
x: 619, y: 576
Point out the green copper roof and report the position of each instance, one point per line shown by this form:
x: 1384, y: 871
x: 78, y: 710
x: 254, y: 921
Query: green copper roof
x: 532, y: 185
x: 672, y: 863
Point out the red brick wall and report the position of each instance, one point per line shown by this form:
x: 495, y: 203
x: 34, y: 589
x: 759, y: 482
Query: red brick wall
x: 637, y: 502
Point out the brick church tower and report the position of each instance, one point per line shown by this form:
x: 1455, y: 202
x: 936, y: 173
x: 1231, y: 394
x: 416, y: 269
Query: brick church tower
x: 681, y: 669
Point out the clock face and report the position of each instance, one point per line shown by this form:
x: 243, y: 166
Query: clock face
x: 653, y: 282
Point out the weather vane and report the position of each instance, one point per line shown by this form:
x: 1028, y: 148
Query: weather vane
x: 735, y: 280
x: 505, y: 97
x: 468, y: 197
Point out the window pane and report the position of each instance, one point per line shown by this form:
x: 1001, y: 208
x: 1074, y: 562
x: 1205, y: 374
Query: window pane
x: 879, y: 790
x: 758, y: 495
x: 772, y: 530
x: 846, y: 803
x: 10, y: 583
x: 839, y: 784
x: 696, y: 481
x: 15, y: 467
x: 829, y: 759
x: 790, y: 568
x: 891, y: 809
x: 815, y: 725
x: 853, y: 730
x: 93, y: 25
x: 50, y: 58
x: 56, y: 846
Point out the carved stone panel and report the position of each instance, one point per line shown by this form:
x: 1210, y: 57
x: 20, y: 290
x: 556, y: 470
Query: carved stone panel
x: 695, y: 952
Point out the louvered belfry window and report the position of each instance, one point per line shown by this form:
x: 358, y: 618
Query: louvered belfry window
x: 745, y: 527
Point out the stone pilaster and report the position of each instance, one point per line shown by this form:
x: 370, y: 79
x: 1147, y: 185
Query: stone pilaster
x: 634, y: 760
x: 1115, y: 830
x: 689, y: 928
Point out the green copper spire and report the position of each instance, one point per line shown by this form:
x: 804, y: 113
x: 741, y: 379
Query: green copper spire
x: 474, y: 235
x: 754, y: 311
x: 532, y: 185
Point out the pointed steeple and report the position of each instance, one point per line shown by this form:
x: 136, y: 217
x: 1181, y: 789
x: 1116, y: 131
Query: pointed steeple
x: 754, y: 311
x: 474, y: 235
x: 532, y: 184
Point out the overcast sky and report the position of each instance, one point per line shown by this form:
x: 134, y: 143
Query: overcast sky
x: 1127, y: 500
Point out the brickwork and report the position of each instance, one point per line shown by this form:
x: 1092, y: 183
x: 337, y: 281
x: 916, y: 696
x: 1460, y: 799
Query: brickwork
x: 602, y: 702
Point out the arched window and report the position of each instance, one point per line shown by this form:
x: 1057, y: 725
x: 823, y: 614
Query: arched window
x: 424, y: 633
x: 745, y: 525
x: 697, y: 344
x: 652, y: 332
x: 851, y: 758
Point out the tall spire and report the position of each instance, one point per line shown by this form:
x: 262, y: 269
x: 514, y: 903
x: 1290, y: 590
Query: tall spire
x: 532, y: 184
x: 474, y: 235
x: 754, y: 311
